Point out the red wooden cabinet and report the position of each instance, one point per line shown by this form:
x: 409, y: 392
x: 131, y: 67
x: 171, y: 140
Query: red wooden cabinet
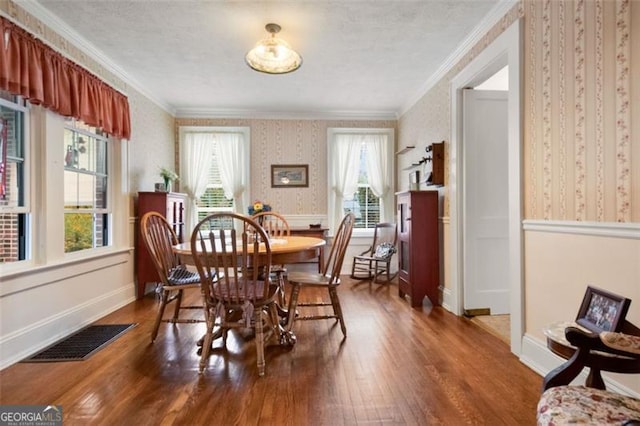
x: 418, y: 246
x: 171, y: 205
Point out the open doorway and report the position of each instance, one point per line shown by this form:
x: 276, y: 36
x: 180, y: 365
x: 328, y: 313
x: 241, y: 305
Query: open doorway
x: 470, y: 216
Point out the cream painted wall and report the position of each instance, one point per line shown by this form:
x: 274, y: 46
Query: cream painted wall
x: 571, y: 261
x: 561, y: 264
x: 278, y: 141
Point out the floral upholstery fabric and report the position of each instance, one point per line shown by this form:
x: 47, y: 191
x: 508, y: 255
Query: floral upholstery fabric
x: 564, y: 405
x: 384, y: 250
x: 621, y: 341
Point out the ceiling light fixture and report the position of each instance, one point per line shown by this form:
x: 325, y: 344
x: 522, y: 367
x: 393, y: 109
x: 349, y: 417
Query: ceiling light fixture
x: 273, y: 55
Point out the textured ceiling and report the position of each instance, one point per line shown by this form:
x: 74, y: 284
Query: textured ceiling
x: 365, y: 58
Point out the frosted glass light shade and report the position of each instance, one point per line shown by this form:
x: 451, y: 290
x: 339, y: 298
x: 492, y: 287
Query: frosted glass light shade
x: 273, y: 55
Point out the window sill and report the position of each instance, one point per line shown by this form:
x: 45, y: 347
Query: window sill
x: 362, y: 233
x: 21, y: 276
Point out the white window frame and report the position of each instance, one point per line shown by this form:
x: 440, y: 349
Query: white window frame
x: 22, y: 106
x: 101, y: 211
x: 390, y: 197
x: 44, y: 203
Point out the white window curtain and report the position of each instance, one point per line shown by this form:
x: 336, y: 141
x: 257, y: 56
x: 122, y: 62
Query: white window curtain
x: 197, y: 150
x: 233, y: 161
x: 378, y: 171
x: 345, y: 170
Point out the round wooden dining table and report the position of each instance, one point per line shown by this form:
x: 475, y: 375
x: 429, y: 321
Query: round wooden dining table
x: 284, y: 250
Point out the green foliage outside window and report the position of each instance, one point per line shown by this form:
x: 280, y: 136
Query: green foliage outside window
x: 78, y: 231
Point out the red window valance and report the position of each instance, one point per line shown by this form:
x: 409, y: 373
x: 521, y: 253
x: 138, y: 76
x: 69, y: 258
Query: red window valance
x: 33, y: 70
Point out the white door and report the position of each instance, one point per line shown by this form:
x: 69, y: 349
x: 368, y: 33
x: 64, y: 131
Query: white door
x: 485, y: 201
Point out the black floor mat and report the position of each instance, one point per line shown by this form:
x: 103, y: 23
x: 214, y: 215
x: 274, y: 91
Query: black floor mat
x: 82, y: 344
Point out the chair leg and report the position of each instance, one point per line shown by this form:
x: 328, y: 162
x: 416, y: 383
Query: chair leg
x: 282, y: 298
x: 163, y: 304
x: 274, y: 318
x: 259, y: 327
x: 337, y: 309
x: 374, y: 268
x: 205, y: 309
x: 176, y: 311
x: 206, y: 344
x: 293, y: 305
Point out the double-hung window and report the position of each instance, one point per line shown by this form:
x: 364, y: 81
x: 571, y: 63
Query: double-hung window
x: 14, y: 190
x: 214, y: 170
x: 86, y: 180
x: 360, y: 176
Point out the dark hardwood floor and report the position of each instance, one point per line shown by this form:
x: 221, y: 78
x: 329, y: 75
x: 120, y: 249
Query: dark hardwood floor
x: 398, y: 366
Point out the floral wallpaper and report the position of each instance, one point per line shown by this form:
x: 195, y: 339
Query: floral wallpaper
x: 580, y: 80
x: 579, y: 149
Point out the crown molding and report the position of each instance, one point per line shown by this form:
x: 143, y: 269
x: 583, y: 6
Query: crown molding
x: 492, y: 18
x: 56, y: 24
x: 284, y: 115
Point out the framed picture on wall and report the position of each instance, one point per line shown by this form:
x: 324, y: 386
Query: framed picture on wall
x: 602, y: 311
x: 289, y: 175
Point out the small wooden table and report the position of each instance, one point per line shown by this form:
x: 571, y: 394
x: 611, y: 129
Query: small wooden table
x: 596, y: 361
x: 309, y: 232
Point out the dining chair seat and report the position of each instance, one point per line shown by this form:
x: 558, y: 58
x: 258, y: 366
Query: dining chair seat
x: 182, y: 276
x: 310, y: 279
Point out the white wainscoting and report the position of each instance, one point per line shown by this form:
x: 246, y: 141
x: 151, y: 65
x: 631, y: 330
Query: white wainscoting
x: 41, y: 305
x: 564, y: 251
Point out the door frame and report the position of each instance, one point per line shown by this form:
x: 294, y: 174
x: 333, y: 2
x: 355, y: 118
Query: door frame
x: 504, y: 50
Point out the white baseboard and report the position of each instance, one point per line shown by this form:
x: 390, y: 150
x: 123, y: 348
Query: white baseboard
x: 447, y: 300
